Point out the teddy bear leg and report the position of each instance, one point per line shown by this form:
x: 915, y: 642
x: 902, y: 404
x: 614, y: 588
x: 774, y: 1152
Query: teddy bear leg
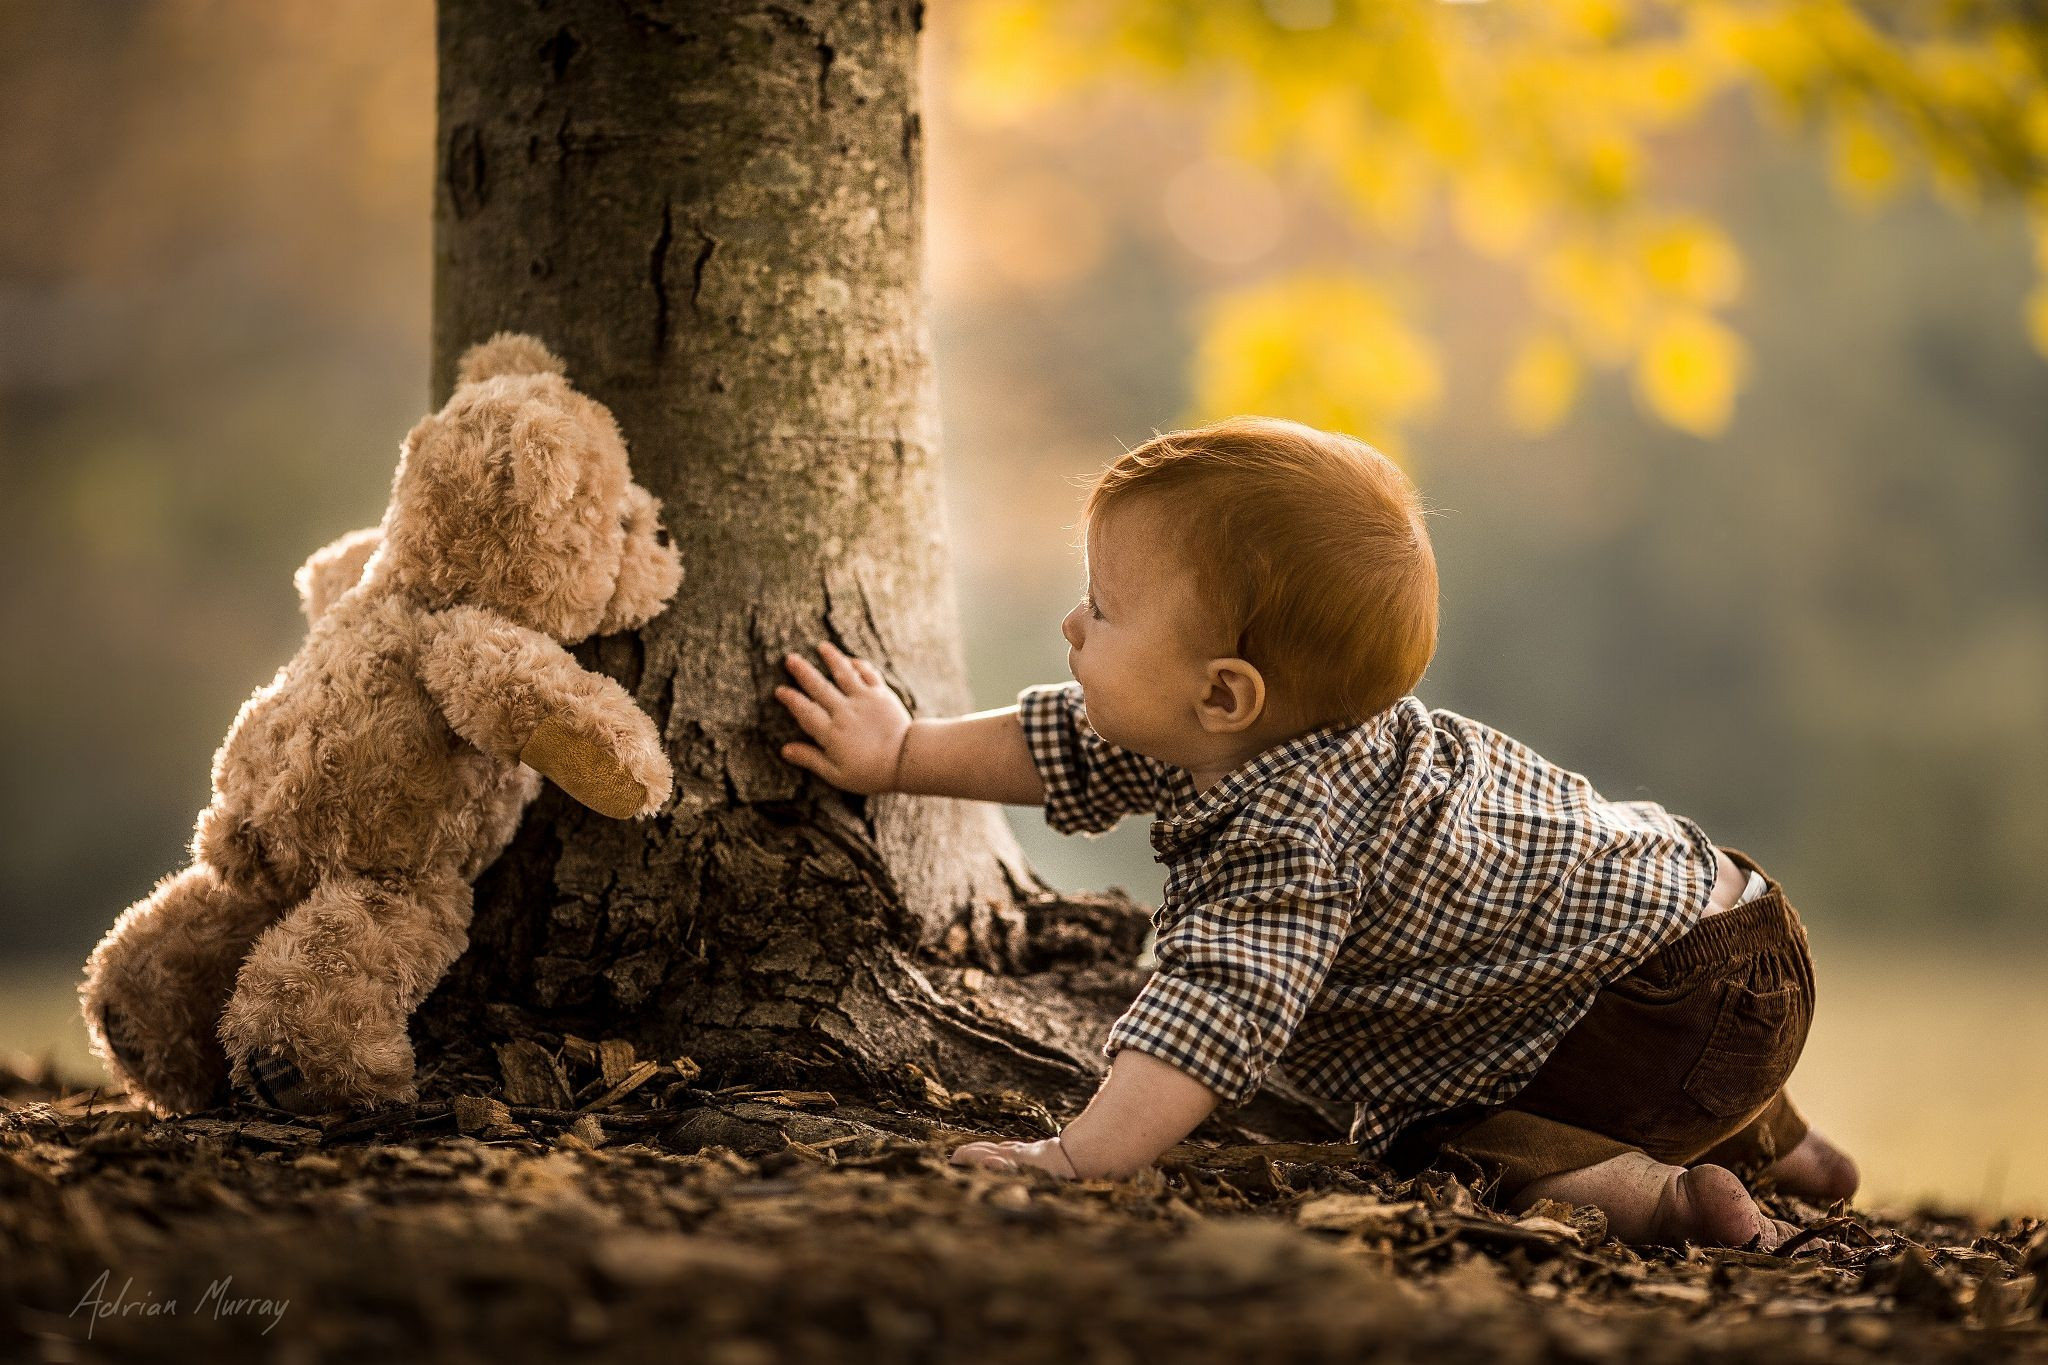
x: 318, y: 1017
x: 154, y: 987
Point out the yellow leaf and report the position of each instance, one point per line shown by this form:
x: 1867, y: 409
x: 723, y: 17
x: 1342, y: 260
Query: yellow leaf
x: 1693, y: 260
x: 1542, y: 382
x: 1611, y: 168
x: 1670, y: 81
x: 1597, y: 19
x: 1783, y: 48
x: 1494, y: 210
x: 2036, y: 122
x: 1019, y: 57
x: 1392, y: 188
x: 1330, y: 350
x: 1955, y: 179
x: 1599, y: 292
x: 1866, y: 169
x: 2037, y: 318
x: 1689, y: 371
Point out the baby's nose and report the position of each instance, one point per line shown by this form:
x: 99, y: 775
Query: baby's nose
x: 1071, y: 627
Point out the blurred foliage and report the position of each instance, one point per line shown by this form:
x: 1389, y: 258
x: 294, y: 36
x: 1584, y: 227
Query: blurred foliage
x: 1331, y: 345
x: 287, y: 136
x: 1823, y: 634
x: 1537, y: 127
x: 213, y: 331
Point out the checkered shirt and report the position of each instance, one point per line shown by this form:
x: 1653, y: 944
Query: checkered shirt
x: 1405, y: 914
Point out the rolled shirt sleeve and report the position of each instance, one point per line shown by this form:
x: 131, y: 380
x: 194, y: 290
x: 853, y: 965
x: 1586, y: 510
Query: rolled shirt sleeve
x: 1239, y: 963
x: 1090, y: 784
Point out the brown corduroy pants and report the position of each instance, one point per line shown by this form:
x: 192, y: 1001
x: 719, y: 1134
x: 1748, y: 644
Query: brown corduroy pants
x: 1684, y: 1058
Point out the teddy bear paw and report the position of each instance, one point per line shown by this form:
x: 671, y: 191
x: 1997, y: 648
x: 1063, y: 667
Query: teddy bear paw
x: 161, y: 1093
x: 276, y: 1080
x: 120, y: 1042
x: 637, y: 783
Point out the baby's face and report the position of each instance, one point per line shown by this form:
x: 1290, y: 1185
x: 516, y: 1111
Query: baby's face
x: 1134, y: 640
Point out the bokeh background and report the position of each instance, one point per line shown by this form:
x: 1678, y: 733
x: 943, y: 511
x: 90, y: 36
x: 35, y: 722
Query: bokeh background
x: 1809, y: 610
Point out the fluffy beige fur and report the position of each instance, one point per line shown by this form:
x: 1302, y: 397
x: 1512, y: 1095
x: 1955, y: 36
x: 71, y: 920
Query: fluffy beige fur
x: 359, y: 793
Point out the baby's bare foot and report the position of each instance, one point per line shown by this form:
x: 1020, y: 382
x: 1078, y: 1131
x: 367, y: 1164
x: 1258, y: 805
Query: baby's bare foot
x: 1650, y: 1203
x: 1708, y: 1206
x: 1815, y: 1169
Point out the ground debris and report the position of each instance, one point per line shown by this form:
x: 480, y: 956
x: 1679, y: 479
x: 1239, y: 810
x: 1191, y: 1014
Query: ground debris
x: 485, y: 1117
x: 600, y: 1205
x: 532, y: 1075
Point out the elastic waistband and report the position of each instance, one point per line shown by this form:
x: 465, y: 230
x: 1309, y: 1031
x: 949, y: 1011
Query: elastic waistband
x: 1762, y: 924
x: 1754, y: 926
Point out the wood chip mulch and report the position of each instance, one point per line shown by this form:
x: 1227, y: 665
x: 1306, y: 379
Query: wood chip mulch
x: 589, y: 1204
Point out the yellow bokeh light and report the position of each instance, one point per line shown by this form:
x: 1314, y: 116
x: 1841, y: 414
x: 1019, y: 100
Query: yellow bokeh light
x: 1331, y: 350
x: 1542, y: 383
x: 1689, y: 371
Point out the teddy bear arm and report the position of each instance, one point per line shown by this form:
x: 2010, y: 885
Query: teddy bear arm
x: 517, y: 695
x: 485, y: 673
x: 333, y: 569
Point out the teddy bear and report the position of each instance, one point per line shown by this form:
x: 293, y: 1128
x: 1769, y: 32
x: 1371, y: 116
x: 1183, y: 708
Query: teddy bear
x: 360, y: 792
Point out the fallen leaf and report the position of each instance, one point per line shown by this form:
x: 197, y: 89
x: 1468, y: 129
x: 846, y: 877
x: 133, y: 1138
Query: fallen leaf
x: 1354, y: 1212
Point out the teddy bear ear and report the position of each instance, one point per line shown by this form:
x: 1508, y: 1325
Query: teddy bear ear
x: 506, y: 353
x: 544, y: 457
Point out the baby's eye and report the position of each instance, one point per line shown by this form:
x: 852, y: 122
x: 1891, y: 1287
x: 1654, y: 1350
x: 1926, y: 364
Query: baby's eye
x: 1089, y: 603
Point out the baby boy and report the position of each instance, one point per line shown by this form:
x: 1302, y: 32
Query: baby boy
x: 1399, y: 907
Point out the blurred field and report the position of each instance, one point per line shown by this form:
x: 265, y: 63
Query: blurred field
x: 1932, y: 1070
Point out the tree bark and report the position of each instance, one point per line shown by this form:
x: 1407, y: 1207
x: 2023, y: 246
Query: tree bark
x: 713, y: 212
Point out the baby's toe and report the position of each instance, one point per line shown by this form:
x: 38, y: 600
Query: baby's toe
x: 1816, y: 1169
x: 984, y: 1155
x: 1709, y: 1206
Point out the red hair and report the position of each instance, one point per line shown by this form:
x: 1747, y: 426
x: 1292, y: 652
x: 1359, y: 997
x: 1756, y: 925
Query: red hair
x: 1307, y: 550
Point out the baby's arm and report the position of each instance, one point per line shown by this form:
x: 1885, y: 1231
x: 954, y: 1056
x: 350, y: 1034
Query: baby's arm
x: 1239, y: 965
x: 866, y: 742
x: 1144, y: 1106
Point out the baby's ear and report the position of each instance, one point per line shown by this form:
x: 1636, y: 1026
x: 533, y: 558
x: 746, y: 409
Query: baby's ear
x: 1236, y: 697
x: 546, y: 456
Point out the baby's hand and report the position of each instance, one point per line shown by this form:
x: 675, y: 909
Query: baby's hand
x: 859, y: 724
x: 1047, y: 1155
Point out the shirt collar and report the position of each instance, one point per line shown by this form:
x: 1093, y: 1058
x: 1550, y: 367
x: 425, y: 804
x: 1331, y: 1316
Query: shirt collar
x: 1186, y: 816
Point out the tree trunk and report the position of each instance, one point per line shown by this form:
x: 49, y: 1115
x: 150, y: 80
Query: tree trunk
x: 713, y: 212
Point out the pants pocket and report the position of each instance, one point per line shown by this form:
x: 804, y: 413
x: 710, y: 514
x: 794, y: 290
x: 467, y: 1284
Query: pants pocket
x: 1755, y: 1041
x: 1655, y: 984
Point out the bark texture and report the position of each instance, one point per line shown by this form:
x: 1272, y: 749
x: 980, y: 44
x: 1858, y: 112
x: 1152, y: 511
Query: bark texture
x: 713, y: 211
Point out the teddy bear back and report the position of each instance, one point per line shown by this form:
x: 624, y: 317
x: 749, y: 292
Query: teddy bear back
x: 331, y: 765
